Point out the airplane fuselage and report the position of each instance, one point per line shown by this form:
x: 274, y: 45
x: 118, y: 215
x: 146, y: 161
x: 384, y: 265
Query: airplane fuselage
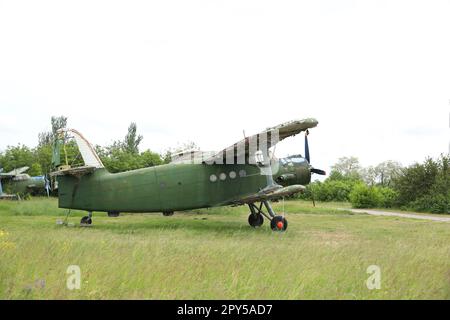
x: 24, y: 184
x: 173, y: 187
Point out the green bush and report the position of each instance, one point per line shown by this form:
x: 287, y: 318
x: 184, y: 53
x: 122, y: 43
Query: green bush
x: 330, y: 190
x: 437, y: 203
x: 425, y: 186
x: 363, y: 196
x: 389, y: 197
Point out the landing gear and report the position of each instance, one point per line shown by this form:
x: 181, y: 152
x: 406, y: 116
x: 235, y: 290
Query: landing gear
x: 113, y: 214
x: 256, y: 218
x: 86, y: 220
x: 167, y: 213
x: 278, y: 223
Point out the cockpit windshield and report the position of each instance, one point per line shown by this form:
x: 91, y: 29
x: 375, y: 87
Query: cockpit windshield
x: 298, y: 158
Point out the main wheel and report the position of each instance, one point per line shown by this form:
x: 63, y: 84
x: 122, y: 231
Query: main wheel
x: 167, y: 213
x: 255, y: 220
x: 278, y: 223
x: 86, y: 220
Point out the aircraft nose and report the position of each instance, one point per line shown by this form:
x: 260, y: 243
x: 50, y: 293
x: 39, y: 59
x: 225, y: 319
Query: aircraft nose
x: 302, y: 172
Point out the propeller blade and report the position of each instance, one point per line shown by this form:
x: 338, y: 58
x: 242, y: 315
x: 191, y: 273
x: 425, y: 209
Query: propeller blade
x: 307, y: 147
x: 318, y: 171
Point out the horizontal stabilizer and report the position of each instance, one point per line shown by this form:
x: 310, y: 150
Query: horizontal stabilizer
x: 77, y: 172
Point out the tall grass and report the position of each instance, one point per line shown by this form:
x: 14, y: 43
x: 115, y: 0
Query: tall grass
x: 214, y: 254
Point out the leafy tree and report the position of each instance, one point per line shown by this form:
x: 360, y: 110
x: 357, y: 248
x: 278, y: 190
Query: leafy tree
x: 43, y: 156
x: 119, y: 160
x: 150, y: 158
x: 35, y: 170
x: 181, y: 147
x: 382, y: 174
x: 348, y: 168
x: 369, y: 175
x: 47, y: 138
x: 386, y: 171
x: 416, y: 180
x: 420, y: 187
x: 388, y: 197
x: 43, y: 152
x: 16, y: 157
x: 434, y: 203
x: 426, y: 186
x: 124, y: 155
x: 329, y: 190
x: 335, y: 176
x: 132, y: 140
x: 363, y: 196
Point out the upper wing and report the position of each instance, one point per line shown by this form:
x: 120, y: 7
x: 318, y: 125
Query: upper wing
x: 6, y: 175
x: 19, y: 170
x: 244, y: 151
x: 13, y: 173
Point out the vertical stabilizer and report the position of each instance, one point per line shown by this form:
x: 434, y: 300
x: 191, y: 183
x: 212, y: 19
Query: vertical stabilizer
x: 88, y: 153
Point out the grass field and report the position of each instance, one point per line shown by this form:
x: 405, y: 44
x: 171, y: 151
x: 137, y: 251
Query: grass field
x: 214, y: 254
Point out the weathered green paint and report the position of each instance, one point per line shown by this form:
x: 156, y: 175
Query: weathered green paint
x: 24, y: 184
x: 171, y: 187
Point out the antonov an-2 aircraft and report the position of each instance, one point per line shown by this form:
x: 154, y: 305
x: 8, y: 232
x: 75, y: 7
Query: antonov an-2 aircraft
x: 245, y: 173
x: 17, y: 183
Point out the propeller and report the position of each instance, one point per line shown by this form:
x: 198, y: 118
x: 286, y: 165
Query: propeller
x: 308, y: 158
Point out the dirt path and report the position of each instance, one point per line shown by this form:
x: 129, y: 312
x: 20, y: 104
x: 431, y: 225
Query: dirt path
x: 400, y: 214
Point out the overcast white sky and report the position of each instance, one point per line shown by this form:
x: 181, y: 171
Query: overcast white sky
x: 376, y: 74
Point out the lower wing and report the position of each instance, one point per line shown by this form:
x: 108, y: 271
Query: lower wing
x: 273, y: 194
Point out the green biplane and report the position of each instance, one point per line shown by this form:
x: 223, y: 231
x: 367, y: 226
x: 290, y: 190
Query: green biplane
x: 246, y: 173
x: 17, y: 183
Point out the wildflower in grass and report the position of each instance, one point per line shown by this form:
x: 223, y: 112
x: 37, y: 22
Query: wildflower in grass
x: 3, y: 233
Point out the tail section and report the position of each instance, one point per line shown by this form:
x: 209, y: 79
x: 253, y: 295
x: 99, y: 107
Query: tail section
x: 90, y: 157
x: 88, y: 153
x: 70, y: 179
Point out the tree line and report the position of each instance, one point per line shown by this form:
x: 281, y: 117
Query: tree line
x: 419, y: 187
x: 423, y: 187
x: 121, y: 155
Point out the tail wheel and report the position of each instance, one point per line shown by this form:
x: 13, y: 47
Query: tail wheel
x: 278, y: 223
x: 86, y: 220
x: 255, y: 220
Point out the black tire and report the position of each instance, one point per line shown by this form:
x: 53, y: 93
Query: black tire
x: 255, y: 220
x: 113, y: 214
x: 278, y: 223
x: 167, y: 213
x: 86, y: 220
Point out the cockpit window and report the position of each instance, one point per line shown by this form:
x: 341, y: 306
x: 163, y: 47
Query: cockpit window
x: 298, y: 160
